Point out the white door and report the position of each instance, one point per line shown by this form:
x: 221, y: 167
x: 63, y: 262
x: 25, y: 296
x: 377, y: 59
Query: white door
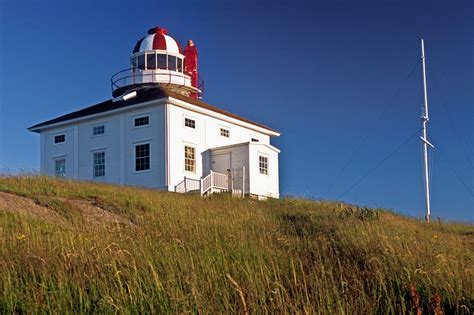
x: 221, y: 163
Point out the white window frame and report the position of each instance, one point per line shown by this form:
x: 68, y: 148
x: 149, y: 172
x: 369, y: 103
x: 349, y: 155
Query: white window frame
x: 267, y: 166
x: 93, y: 161
x: 141, y: 116
x: 57, y: 135
x: 190, y: 118
x: 221, y: 128
x: 56, y: 159
x: 95, y: 126
x: 190, y: 145
x: 135, y: 144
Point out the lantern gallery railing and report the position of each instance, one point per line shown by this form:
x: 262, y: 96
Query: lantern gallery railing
x: 134, y: 76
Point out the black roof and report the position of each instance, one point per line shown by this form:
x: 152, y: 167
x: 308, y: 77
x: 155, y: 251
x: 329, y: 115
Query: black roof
x: 143, y: 95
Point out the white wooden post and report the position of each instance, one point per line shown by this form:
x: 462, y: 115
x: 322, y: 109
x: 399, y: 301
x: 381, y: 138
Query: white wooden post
x: 212, y: 182
x: 243, y: 181
x: 231, y: 178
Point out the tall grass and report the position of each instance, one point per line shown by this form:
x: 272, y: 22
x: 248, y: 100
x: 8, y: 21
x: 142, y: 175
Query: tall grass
x: 181, y: 253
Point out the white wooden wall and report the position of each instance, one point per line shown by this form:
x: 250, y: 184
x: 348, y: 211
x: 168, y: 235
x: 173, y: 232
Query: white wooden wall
x: 247, y: 155
x: 206, y: 135
x: 118, y: 142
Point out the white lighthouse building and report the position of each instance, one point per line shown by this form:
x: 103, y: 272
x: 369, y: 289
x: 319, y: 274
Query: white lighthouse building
x: 157, y: 132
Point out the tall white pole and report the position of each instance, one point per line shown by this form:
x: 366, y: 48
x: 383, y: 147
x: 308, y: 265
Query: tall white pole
x: 425, y: 142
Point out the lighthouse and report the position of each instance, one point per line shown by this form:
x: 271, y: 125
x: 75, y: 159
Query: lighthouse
x: 158, y: 60
x: 157, y: 132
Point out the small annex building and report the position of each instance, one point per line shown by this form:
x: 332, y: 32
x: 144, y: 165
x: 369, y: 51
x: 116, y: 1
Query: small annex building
x: 157, y: 132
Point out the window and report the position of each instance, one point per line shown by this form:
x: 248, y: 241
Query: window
x: 254, y: 140
x: 134, y: 63
x: 142, y: 121
x: 225, y: 132
x: 191, y: 123
x: 171, y: 62
x: 141, y: 62
x: 142, y: 157
x: 263, y: 164
x: 161, y: 61
x: 189, y: 159
x: 180, y: 65
x: 98, y: 130
x: 60, y: 167
x: 151, y: 61
x: 60, y: 138
x: 98, y: 164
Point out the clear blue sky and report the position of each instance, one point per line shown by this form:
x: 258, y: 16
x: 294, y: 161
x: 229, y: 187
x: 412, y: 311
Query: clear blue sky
x: 321, y: 72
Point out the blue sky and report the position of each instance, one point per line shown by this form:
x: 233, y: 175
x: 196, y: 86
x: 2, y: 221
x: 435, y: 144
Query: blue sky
x: 321, y: 72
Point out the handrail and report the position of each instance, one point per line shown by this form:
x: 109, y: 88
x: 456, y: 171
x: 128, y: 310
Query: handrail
x: 135, y: 73
x: 180, y: 188
x: 220, y: 181
x: 211, y: 181
x: 188, y: 185
x: 206, y: 183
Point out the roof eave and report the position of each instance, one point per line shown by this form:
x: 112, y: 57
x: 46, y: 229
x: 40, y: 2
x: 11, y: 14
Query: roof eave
x: 232, y: 119
x: 39, y: 127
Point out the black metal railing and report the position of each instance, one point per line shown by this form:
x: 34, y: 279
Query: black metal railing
x: 134, y: 76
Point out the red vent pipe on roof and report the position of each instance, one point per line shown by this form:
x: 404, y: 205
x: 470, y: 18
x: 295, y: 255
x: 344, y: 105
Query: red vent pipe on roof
x: 191, y: 65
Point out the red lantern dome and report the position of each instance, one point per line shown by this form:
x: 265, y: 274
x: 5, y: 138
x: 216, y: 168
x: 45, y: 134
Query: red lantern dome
x: 157, y: 39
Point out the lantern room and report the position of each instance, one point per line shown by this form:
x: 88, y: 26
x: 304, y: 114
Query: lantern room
x: 158, y: 60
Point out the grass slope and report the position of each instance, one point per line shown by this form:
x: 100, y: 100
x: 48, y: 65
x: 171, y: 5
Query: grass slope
x: 171, y: 253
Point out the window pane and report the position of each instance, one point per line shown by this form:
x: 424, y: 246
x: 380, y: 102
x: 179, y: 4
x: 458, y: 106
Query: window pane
x: 142, y: 157
x: 171, y: 62
x: 99, y: 164
x: 59, y: 138
x: 191, y: 123
x: 141, y: 62
x: 98, y: 130
x: 134, y: 63
x: 161, y: 61
x: 151, y: 61
x: 180, y: 65
x: 263, y: 165
x: 225, y: 132
x: 142, y: 121
x: 60, y: 168
x: 189, y: 159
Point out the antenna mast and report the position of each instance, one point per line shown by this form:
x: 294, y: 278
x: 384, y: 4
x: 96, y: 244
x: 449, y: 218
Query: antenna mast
x: 424, y: 141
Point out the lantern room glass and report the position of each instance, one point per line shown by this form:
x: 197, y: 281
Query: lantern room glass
x: 161, y: 61
x: 171, y: 62
x: 153, y: 61
x: 141, y: 62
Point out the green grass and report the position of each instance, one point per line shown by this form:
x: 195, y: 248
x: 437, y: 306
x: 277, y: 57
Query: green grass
x: 181, y: 253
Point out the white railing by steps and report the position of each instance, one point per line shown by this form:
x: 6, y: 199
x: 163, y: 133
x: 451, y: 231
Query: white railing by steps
x: 214, y: 181
x: 188, y: 185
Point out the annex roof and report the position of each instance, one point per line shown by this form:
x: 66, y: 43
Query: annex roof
x: 143, y: 95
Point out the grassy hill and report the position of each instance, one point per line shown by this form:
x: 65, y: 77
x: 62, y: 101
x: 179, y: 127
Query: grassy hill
x: 77, y: 247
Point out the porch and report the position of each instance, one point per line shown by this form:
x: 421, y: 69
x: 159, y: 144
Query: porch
x: 233, y: 181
